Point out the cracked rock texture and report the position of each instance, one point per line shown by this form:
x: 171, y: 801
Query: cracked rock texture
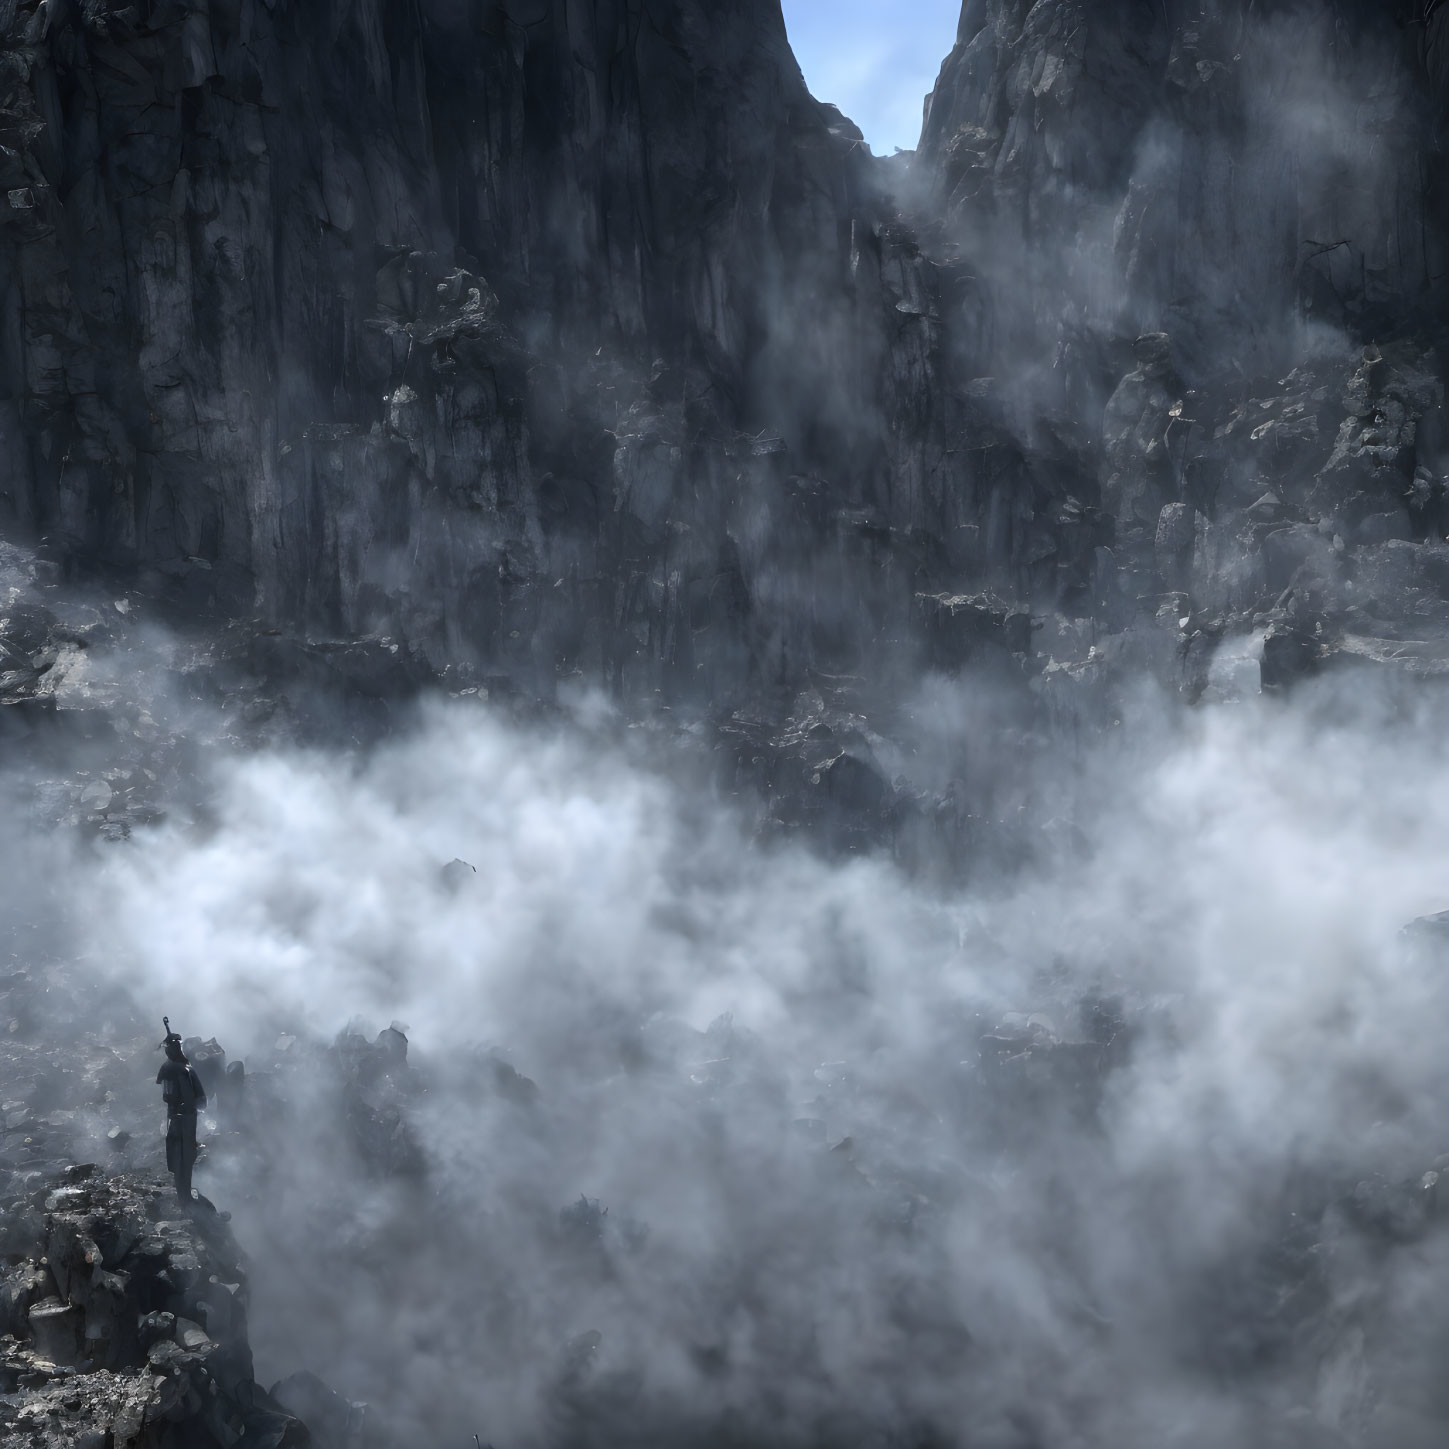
x: 556, y: 340
x: 1209, y: 168
x: 124, y: 1322
x: 517, y: 329
x: 516, y: 343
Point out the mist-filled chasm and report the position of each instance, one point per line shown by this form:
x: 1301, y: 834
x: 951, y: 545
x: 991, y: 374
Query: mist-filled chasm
x: 698, y: 1139
x: 780, y: 799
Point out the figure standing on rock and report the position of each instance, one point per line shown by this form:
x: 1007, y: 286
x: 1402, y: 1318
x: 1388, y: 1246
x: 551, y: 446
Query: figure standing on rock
x: 184, y: 1096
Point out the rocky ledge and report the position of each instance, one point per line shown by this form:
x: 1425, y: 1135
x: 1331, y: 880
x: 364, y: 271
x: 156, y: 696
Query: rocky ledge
x: 124, y: 1321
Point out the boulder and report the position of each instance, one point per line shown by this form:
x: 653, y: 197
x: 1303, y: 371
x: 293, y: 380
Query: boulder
x: 124, y: 1334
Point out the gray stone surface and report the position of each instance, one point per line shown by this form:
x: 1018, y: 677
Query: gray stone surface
x: 106, y: 1282
x: 563, y: 341
x: 501, y: 327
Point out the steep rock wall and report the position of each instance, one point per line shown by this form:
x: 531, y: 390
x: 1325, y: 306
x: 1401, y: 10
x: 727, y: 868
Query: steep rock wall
x: 1193, y: 224
x: 1217, y: 170
x: 529, y: 332
x: 557, y: 340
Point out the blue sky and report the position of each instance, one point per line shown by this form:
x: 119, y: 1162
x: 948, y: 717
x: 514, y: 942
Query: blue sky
x: 875, y: 59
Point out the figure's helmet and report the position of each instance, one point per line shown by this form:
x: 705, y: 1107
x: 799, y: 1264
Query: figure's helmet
x: 171, y: 1042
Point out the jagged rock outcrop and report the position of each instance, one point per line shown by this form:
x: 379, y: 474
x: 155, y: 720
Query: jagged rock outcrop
x: 1208, y: 168
x: 1209, y: 236
x: 123, y: 1322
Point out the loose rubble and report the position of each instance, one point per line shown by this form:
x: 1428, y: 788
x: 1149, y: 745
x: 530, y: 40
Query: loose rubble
x: 124, y: 1321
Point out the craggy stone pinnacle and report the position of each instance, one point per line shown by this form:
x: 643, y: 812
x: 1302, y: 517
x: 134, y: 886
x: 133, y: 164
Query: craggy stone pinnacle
x: 124, y: 1322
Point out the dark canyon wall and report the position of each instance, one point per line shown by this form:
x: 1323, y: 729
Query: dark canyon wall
x: 519, y: 330
x: 579, y: 339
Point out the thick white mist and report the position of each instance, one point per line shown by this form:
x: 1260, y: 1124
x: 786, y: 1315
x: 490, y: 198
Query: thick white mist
x: 705, y: 1019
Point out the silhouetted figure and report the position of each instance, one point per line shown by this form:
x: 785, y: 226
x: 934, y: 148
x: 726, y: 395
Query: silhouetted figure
x: 184, y: 1096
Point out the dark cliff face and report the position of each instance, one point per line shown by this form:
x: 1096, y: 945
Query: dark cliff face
x: 579, y: 340
x: 1212, y: 170
x: 522, y: 331
x: 1209, y: 246
x: 579, y: 343
x: 1256, y: 183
